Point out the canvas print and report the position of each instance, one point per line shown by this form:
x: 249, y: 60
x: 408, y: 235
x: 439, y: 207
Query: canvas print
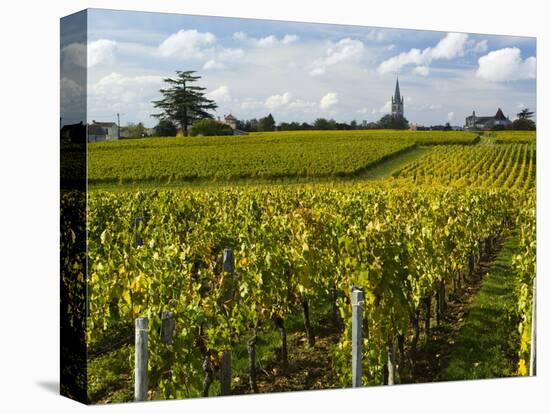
x: 255, y: 206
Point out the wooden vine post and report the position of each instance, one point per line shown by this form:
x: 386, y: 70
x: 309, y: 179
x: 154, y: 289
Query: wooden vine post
x: 167, y: 326
x: 141, y: 358
x: 392, y: 362
x: 357, y: 303
x: 533, y: 353
x: 228, y: 268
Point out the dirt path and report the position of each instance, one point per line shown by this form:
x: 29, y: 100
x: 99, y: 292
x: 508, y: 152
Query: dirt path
x: 309, y: 368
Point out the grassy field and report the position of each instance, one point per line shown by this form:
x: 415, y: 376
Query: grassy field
x: 486, y: 346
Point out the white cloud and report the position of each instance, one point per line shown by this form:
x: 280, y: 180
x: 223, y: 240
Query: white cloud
x: 288, y: 39
x: 239, y: 36
x: 101, y: 51
x: 213, y: 64
x: 450, y: 116
x: 276, y: 101
x: 253, y: 104
x: 186, y: 44
x: 506, y: 65
x: 328, y: 101
x: 451, y: 46
x: 481, y: 46
x: 69, y: 88
x: 318, y: 71
x: 130, y: 94
x: 220, y: 94
x: 345, y: 50
x: 412, y: 57
x: 267, y: 41
x: 422, y: 70
x: 301, y: 104
x: 230, y: 54
x: 74, y: 54
x: 71, y: 96
x: 376, y: 35
x: 125, y: 87
x: 386, y: 108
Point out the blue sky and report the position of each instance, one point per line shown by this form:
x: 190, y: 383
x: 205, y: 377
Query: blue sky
x: 303, y: 71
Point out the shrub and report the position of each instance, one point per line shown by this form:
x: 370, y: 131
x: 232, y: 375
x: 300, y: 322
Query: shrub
x: 208, y: 127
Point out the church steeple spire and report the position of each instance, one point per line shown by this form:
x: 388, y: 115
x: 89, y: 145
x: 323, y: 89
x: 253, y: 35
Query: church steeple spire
x: 397, y: 101
x: 397, y: 94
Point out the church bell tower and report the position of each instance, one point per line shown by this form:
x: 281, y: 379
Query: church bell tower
x: 397, y: 103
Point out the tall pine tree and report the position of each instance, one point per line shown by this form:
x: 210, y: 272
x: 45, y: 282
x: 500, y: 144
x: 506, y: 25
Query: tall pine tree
x: 183, y: 102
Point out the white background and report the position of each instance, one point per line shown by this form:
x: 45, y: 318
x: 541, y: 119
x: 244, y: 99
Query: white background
x: 29, y: 223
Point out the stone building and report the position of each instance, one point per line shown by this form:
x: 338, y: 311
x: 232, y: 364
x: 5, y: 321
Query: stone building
x: 102, y: 131
x: 230, y: 120
x: 474, y: 122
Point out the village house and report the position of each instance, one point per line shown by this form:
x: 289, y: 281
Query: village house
x: 232, y: 122
x: 102, y: 131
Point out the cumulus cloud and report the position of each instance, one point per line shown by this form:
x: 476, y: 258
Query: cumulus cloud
x: 267, y: 41
x: 422, y: 70
x: 69, y: 88
x: 288, y: 39
x: 126, y: 87
x: 301, y: 104
x: 345, y: 50
x: 385, y: 108
x: 505, y: 65
x: 213, y: 64
x: 101, y: 51
x: 450, y: 116
x: 186, y: 44
x: 276, y: 101
x: 253, y: 104
x: 451, y: 46
x: 201, y: 46
x: 481, y: 47
x: 71, y: 96
x: 229, y: 54
x: 240, y: 36
x: 73, y: 54
x: 376, y: 35
x: 220, y: 94
x: 328, y: 101
x: 131, y: 94
x: 279, y: 102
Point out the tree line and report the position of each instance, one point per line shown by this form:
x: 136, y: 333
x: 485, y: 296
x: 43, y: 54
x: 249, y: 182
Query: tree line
x: 186, y: 107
